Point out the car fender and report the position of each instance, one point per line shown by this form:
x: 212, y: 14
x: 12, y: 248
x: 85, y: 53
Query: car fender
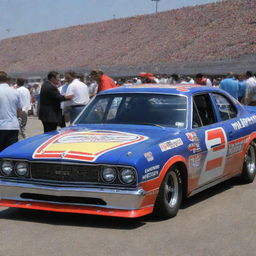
x: 152, y: 187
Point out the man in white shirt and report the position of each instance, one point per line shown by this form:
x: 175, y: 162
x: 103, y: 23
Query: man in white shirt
x: 64, y: 105
x: 25, y: 99
x: 10, y: 107
x: 80, y: 93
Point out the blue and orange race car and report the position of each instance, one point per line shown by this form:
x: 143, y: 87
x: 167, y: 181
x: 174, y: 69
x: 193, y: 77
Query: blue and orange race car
x: 132, y: 151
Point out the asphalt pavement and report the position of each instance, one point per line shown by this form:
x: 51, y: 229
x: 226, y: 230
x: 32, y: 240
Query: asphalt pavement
x: 218, y: 221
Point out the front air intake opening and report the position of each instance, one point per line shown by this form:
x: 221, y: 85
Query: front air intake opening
x: 63, y: 199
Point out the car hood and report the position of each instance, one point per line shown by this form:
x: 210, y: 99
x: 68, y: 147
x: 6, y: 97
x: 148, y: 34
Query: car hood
x: 91, y: 143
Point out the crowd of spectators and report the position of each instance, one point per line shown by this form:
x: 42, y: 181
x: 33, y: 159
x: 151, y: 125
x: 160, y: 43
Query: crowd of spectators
x: 215, y: 31
x: 60, y: 100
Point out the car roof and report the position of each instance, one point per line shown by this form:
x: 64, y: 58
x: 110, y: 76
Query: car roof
x: 180, y: 89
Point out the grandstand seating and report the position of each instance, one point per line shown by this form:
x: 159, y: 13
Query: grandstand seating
x: 215, y: 31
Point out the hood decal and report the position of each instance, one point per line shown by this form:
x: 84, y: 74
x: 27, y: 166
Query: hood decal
x: 85, y: 145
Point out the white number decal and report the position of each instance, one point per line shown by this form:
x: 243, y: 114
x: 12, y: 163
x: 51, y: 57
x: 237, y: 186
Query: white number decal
x: 216, y: 144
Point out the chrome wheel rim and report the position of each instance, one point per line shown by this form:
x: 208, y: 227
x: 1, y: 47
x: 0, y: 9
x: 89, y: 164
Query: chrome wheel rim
x: 172, y: 189
x: 250, y: 159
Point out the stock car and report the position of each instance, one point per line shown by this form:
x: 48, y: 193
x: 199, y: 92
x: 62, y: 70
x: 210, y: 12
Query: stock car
x: 133, y: 151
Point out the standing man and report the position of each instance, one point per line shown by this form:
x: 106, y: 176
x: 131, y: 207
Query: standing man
x: 242, y: 84
x: 230, y: 85
x: 50, y: 98
x: 10, y: 108
x: 80, y: 93
x: 25, y: 104
x: 104, y: 81
x: 250, y: 89
x: 202, y: 80
x: 64, y: 105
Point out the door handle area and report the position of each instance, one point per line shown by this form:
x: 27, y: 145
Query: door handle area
x: 230, y: 134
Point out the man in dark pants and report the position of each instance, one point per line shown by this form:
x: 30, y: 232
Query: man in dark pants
x: 50, y: 98
x: 10, y: 108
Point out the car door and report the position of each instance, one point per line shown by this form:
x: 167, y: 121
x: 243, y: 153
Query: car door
x: 212, y: 140
x: 228, y: 114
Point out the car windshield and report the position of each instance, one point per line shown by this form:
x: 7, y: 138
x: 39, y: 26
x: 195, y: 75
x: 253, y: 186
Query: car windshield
x: 141, y: 109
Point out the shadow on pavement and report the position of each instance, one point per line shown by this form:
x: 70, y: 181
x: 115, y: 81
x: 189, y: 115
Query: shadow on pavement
x: 82, y: 220
x: 210, y: 192
x: 70, y: 219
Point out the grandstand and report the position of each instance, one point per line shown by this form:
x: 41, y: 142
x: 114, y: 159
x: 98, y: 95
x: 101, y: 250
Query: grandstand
x: 213, y: 38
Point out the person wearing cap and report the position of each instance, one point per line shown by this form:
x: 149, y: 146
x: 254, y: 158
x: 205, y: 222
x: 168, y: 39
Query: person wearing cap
x: 147, y: 78
x: 202, y: 80
x: 26, y: 106
x: 104, y: 81
x: 10, y: 110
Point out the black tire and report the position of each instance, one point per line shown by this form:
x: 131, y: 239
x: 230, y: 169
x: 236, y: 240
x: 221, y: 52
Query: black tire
x: 249, y: 166
x: 170, y: 195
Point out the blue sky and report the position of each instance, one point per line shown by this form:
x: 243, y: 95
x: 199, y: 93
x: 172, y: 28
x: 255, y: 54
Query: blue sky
x: 20, y: 17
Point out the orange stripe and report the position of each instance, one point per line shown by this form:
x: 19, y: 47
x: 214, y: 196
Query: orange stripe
x: 238, y: 140
x: 76, y: 157
x: 212, y: 164
x: 80, y: 153
x: 47, y: 155
x: 42, y: 147
x: 155, y: 183
x: 218, y: 148
x: 77, y: 209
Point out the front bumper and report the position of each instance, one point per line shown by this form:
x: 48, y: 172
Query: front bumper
x: 118, y: 202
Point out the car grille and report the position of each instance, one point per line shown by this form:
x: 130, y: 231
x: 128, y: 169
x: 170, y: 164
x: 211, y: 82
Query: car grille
x: 64, y: 172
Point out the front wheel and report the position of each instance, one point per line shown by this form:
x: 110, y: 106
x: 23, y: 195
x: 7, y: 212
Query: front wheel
x: 170, y: 195
x: 249, y: 166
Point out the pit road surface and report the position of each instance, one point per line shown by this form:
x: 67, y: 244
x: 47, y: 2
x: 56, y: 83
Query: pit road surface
x: 219, y: 221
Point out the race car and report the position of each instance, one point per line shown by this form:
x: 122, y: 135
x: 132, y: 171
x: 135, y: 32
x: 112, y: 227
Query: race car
x: 133, y: 151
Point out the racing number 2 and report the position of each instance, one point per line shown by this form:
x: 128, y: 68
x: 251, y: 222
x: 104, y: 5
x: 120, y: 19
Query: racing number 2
x: 216, y: 145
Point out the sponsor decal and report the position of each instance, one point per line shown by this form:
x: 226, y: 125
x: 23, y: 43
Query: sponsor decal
x: 152, y: 86
x: 170, y: 144
x: 236, y: 147
x: 194, y: 147
x: 151, y: 172
x: 183, y: 89
x: 195, y: 162
x: 179, y: 124
x: 192, y: 136
x: 149, y: 156
x: 153, y: 168
x: 244, y: 122
x: 85, y: 145
x: 216, y: 144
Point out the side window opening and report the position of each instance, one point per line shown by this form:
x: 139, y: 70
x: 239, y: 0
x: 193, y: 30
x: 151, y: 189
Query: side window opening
x: 226, y: 109
x: 196, y: 122
x: 205, y: 109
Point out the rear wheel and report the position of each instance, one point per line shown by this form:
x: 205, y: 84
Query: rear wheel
x: 249, y: 166
x: 170, y: 194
